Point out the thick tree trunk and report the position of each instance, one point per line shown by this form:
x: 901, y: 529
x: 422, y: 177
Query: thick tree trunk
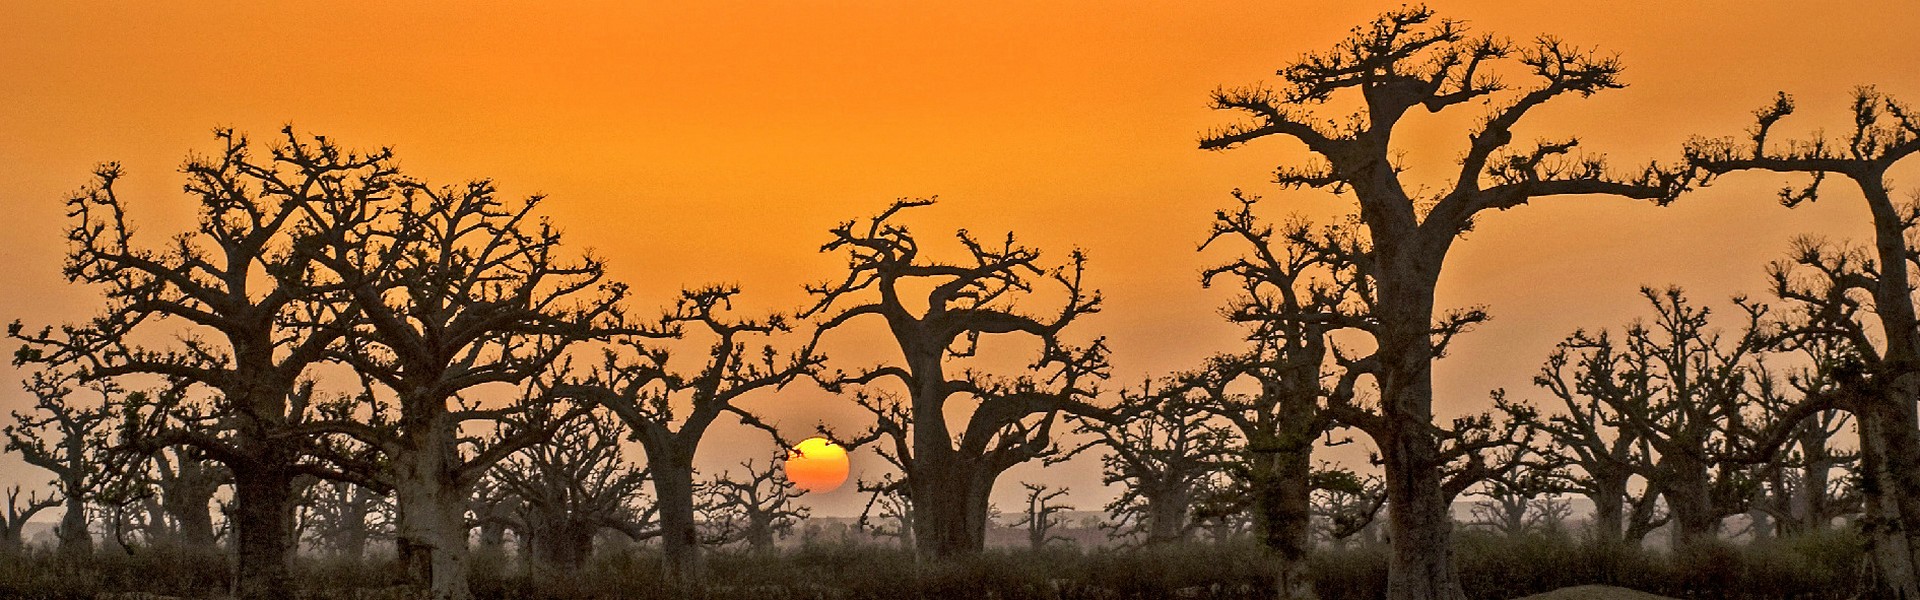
x: 263, y: 532
x: 950, y: 505
x: 679, y: 533
x: 1167, y: 515
x: 1696, y: 522
x: 432, y: 530
x: 1283, y: 515
x: 1609, y: 511
x: 1890, y: 569
x: 760, y: 532
x: 72, y: 532
x: 1420, y: 565
x: 1420, y: 523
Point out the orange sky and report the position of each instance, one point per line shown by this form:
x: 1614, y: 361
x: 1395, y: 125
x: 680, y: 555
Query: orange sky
x: 717, y: 142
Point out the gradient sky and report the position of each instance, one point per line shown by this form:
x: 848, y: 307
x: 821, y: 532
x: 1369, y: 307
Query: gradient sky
x: 717, y: 142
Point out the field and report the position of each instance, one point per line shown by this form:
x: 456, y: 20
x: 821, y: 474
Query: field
x: 1492, y: 567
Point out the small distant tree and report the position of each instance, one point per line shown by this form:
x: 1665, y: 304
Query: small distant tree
x: 889, y: 511
x: 756, y: 508
x: 1520, y: 501
x: 1346, y: 504
x: 570, y: 489
x: 1600, y: 453
x: 343, y: 519
x: 73, y: 442
x: 14, y: 522
x: 949, y: 473
x: 669, y: 411
x: 1162, y: 452
x: 1041, y: 515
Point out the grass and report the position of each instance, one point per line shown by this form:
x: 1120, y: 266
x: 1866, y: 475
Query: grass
x: 1490, y: 566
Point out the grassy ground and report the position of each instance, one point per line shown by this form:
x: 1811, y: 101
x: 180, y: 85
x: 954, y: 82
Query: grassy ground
x: 1495, y: 568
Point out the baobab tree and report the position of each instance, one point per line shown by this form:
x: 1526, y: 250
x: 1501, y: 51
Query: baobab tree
x: 1297, y: 287
x: 888, y: 512
x: 1408, y: 59
x: 1598, y: 450
x: 342, y: 519
x: 570, y: 489
x: 457, y: 291
x: 1162, y: 451
x: 755, y: 508
x: 13, y: 522
x: 950, y: 474
x: 1686, y: 392
x: 1345, y: 503
x: 72, y: 441
x: 1882, y: 395
x: 1041, y: 514
x: 255, y: 309
x: 670, y: 410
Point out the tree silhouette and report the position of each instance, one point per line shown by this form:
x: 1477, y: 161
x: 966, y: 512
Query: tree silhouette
x: 571, y: 488
x: 647, y: 396
x: 1596, y: 440
x: 1882, y: 399
x: 456, y: 291
x: 1041, y: 515
x: 1404, y: 60
x: 1163, y: 452
x: 949, y: 477
x: 254, y: 306
x: 14, y: 522
x: 71, y: 442
x: 755, y: 509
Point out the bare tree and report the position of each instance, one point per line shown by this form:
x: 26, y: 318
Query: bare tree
x: 1598, y: 450
x: 756, y: 509
x: 1345, y: 503
x: 889, y: 510
x: 14, y: 522
x: 1404, y: 60
x: 343, y: 519
x: 1041, y: 515
x: 571, y: 488
x: 1685, y: 393
x: 949, y: 477
x: 250, y: 301
x: 1883, y: 398
x: 1298, y: 286
x: 457, y: 291
x: 647, y: 396
x: 1162, y: 453
x: 1520, y: 501
x: 70, y: 441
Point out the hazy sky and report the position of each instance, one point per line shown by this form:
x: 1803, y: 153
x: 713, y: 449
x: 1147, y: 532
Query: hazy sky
x: 717, y: 142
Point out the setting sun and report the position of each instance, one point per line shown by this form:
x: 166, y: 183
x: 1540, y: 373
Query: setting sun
x: 817, y: 465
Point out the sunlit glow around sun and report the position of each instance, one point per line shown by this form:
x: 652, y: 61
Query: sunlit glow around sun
x: 817, y: 465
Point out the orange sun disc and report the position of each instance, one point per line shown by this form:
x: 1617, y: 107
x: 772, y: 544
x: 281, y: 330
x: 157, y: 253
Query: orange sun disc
x: 817, y: 465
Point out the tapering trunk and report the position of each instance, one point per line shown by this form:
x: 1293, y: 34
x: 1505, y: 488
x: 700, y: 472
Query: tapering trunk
x: 949, y: 497
x: 1283, y: 515
x: 1420, y: 523
x: 1695, y: 520
x: 1167, y: 515
x: 75, y: 539
x: 1420, y: 565
x: 679, y: 533
x: 191, y: 508
x: 263, y: 532
x: 1609, y: 511
x: 431, y: 532
x: 1891, y: 566
x: 760, y: 532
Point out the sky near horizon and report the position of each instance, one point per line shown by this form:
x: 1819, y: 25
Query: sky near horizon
x: 690, y: 143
